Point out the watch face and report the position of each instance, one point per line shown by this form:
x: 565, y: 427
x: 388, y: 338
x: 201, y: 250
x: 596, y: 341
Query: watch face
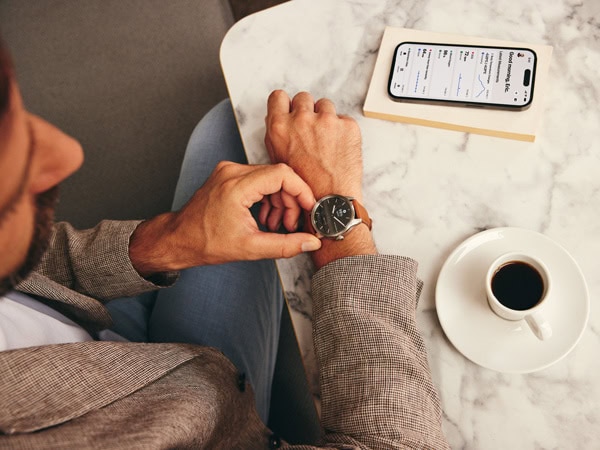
x: 332, y: 215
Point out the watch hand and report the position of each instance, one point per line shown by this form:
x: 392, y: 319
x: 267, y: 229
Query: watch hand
x: 342, y: 223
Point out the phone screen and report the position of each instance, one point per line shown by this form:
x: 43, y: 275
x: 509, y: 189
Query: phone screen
x: 469, y: 75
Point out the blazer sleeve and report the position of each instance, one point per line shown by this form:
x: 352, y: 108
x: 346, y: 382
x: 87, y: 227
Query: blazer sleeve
x: 376, y: 385
x: 95, y: 262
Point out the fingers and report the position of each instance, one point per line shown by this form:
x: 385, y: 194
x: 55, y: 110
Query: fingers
x: 276, y: 121
x: 262, y: 181
x: 272, y: 245
x: 325, y: 105
x: 278, y: 103
x: 265, y: 209
x: 291, y: 212
x: 280, y: 208
x: 276, y: 213
x: 281, y: 191
x: 253, y: 182
x: 303, y: 101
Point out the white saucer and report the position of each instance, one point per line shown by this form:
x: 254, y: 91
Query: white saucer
x: 495, y: 343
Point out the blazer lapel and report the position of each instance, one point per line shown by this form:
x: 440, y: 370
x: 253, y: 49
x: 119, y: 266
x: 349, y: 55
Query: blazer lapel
x: 46, y: 386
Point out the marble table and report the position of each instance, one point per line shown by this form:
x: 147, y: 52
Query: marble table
x: 429, y: 189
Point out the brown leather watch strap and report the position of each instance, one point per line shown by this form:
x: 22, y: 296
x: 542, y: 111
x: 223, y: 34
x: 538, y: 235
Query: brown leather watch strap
x: 362, y: 213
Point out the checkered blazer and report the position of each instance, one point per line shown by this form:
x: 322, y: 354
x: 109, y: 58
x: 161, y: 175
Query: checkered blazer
x: 375, y: 381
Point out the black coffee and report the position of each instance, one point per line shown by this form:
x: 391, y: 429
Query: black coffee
x: 517, y: 285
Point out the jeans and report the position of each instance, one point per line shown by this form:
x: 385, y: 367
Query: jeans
x: 234, y: 307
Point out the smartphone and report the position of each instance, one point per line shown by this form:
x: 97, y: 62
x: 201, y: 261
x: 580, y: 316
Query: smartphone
x: 467, y: 75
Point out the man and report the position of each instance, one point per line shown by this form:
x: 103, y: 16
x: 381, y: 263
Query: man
x: 68, y: 388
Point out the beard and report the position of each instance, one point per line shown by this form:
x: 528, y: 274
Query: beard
x: 45, y: 204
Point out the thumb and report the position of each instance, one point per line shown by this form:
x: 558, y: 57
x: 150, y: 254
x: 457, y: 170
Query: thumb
x: 266, y: 245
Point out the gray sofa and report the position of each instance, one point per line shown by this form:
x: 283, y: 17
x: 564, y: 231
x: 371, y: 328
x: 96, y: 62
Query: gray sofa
x: 130, y: 79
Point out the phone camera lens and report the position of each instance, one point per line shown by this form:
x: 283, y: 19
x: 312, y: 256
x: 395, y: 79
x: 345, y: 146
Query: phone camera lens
x: 527, y: 77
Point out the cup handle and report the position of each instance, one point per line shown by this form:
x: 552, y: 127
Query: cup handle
x: 539, y: 325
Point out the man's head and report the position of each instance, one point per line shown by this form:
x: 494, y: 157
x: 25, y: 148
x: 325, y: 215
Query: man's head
x: 34, y: 158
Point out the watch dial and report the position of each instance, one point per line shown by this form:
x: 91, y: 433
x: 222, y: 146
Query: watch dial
x: 332, y: 216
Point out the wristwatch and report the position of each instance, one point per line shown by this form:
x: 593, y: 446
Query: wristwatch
x: 335, y: 215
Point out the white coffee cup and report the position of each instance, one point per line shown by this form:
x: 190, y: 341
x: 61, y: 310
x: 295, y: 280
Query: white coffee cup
x: 517, y: 287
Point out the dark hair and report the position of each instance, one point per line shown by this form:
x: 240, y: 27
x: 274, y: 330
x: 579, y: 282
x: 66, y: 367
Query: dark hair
x: 5, y: 77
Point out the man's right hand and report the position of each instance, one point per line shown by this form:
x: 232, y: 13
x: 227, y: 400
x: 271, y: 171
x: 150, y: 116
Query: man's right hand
x: 216, y: 225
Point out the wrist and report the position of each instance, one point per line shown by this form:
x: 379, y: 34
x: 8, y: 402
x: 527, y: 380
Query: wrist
x: 323, y: 181
x: 358, y: 241
x: 149, y: 247
x: 345, y: 227
x: 320, y: 190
